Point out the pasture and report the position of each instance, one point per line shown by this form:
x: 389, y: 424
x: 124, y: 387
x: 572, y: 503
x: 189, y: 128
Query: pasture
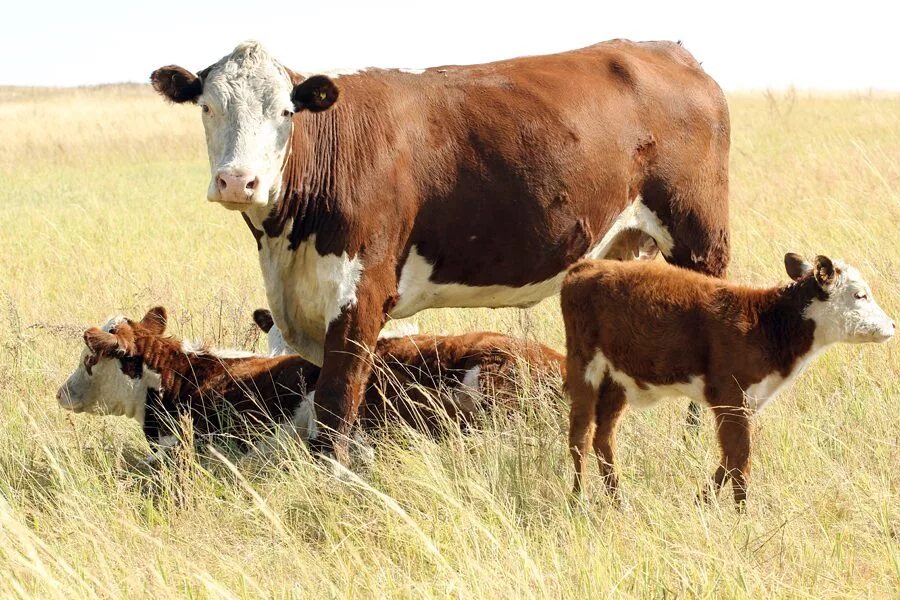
x: 104, y: 212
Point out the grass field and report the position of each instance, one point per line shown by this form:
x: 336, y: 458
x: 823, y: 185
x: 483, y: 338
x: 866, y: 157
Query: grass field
x: 103, y: 209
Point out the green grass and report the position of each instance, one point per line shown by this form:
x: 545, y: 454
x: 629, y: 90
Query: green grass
x: 103, y: 212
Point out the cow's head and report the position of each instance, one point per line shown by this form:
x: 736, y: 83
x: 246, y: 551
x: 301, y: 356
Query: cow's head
x: 248, y: 101
x: 844, y: 310
x: 111, y: 377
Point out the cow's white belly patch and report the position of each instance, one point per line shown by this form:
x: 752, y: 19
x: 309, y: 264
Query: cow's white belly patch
x: 307, y: 291
x: 635, y: 395
x: 416, y: 291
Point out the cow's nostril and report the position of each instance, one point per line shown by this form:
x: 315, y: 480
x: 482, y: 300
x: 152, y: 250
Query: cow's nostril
x: 251, y: 185
x: 221, y: 183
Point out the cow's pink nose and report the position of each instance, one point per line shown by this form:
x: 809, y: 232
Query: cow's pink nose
x: 236, y: 186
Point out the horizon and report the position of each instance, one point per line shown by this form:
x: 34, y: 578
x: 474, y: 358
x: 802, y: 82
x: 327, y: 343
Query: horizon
x: 791, y: 47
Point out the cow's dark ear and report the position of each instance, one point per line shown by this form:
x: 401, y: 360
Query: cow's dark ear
x: 177, y: 84
x: 796, y: 266
x: 263, y: 319
x: 315, y: 94
x: 155, y: 320
x: 824, y: 270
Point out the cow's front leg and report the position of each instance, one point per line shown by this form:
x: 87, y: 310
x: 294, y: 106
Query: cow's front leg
x: 349, y: 343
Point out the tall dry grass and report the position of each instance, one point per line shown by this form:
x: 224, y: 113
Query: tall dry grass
x: 103, y: 211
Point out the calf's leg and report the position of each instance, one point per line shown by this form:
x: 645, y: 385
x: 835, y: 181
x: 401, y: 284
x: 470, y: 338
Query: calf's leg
x: 610, y: 406
x: 581, y: 424
x: 733, y: 427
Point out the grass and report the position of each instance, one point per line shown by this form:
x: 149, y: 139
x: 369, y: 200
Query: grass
x: 103, y: 212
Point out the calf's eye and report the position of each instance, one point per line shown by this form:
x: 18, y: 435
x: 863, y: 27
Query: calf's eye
x: 286, y: 113
x: 861, y: 296
x: 204, y: 108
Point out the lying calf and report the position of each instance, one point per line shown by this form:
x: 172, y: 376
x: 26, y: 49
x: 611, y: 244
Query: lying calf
x: 132, y: 368
x: 637, y: 332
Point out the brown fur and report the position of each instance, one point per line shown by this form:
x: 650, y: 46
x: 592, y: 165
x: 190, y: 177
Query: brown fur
x: 662, y: 325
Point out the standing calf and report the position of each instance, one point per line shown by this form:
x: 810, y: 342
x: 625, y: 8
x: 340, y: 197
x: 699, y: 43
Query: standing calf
x: 637, y: 332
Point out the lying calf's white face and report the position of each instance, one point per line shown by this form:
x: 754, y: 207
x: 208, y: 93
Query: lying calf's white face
x: 849, y: 314
x: 108, y: 385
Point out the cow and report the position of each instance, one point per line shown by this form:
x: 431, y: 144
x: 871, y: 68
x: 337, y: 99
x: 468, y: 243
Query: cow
x: 382, y: 193
x: 134, y: 369
x: 639, y: 332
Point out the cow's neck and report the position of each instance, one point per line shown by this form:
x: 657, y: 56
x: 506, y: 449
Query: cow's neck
x: 317, y: 179
x: 791, y: 336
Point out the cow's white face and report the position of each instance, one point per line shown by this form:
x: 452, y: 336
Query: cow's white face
x: 247, y: 114
x: 109, y: 386
x: 849, y: 314
x: 248, y: 101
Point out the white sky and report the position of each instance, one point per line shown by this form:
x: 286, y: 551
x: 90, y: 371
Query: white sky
x: 752, y: 44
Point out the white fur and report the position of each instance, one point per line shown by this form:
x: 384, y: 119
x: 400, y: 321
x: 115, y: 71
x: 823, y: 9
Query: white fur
x: 189, y: 347
x: 106, y: 390
x: 637, y: 397
x: 247, y: 94
x: 307, y: 291
x: 417, y: 292
x: 845, y: 318
x: 468, y: 395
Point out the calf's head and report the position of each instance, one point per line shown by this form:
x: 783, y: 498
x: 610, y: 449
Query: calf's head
x: 111, y: 377
x: 248, y: 101
x: 844, y: 310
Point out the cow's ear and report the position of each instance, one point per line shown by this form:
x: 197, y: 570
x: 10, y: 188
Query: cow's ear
x: 796, y: 266
x: 102, y: 342
x: 263, y: 319
x: 155, y: 320
x: 824, y: 270
x: 315, y: 94
x: 177, y: 84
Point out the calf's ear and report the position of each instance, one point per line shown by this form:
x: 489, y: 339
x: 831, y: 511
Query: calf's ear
x: 796, y: 266
x: 824, y: 272
x: 315, y: 94
x: 102, y: 342
x: 155, y: 320
x: 263, y: 319
x: 177, y: 84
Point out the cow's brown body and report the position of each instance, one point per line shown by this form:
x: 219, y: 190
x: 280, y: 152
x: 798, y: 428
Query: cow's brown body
x: 492, y: 178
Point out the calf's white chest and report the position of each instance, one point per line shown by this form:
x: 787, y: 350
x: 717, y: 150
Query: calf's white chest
x: 306, y: 290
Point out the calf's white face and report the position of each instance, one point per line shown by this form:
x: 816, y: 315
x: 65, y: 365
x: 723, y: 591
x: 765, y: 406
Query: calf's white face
x: 248, y: 101
x: 107, y: 386
x: 849, y: 314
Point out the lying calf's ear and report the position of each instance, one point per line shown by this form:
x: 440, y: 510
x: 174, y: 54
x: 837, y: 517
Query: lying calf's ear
x: 315, y: 94
x: 796, y: 266
x: 824, y: 272
x: 263, y: 319
x: 155, y: 320
x: 102, y: 342
x: 177, y: 84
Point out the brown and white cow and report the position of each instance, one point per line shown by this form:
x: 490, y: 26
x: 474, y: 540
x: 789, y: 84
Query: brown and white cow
x: 132, y: 368
x: 638, y: 332
x: 385, y: 192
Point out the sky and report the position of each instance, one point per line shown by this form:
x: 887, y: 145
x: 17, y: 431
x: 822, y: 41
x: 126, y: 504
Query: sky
x: 761, y: 44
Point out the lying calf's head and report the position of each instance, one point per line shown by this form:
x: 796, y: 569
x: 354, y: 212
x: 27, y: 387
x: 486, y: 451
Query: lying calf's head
x: 844, y: 309
x: 277, y: 344
x: 111, y: 377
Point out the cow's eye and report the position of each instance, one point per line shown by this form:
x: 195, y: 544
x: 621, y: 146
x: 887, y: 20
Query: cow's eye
x: 861, y: 296
x: 205, y: 108
x: 286, y: 113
